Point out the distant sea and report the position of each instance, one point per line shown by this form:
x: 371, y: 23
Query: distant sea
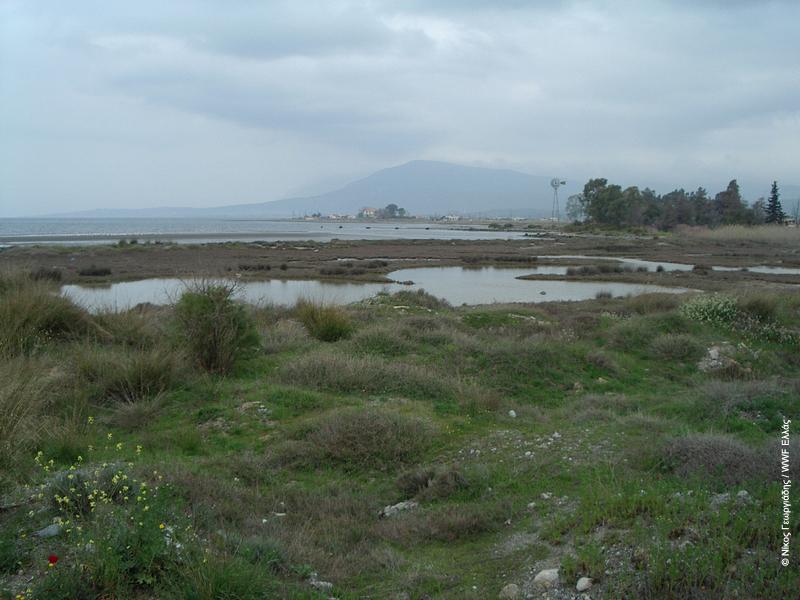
x: 193, y: 231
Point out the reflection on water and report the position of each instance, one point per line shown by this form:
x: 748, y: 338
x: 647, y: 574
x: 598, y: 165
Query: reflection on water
x: 484, y: 286
x: 763, y: 269
x: 457, y: 285
x: 652, y: 265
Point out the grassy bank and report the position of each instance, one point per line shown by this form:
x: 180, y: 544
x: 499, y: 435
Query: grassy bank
x: 214, y: 450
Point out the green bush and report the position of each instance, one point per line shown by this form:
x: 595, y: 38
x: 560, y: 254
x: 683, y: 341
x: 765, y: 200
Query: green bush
x: 215, y: 330
x: 326, y: 323
x: 715, y: 309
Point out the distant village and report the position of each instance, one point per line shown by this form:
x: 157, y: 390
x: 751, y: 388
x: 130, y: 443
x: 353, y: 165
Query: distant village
x: 390, y: 211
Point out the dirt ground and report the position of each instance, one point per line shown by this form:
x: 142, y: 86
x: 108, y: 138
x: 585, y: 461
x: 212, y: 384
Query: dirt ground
x: 372, y: 260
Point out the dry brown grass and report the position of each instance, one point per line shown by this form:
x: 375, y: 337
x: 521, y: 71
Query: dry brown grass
x: 768, y: 234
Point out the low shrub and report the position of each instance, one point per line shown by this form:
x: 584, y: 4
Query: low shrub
x: 755, y: 323
x: 371, y: 438
x: 137, y: 327
x: 124, y: 536
x: 129, y: 375
x: 342, y: 373
x: 130, y: 416
x: 587, y: 562
x: 326, y: 323
x: 676, y: 346
x: 43, y: 274
x: 715, y: 309
x: 763, y: 307
x: 645, y: 304
x: 633, y: 333
x: 94, y: 271
x: 215, y: 329
x: 284, y: 335
x: 32, y: 314
x: 384, y: 340
x: 432, y: 482
x: 420, y: 298
x: 717, y: 456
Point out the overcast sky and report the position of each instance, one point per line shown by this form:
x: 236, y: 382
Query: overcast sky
x: 153, y: 103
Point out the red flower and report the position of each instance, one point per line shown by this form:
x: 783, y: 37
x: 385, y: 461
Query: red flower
x: 52, y: 559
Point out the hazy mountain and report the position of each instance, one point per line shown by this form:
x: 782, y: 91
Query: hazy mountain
x: 422, y: 187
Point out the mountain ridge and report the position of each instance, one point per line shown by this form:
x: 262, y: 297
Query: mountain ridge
x: 422, y: 187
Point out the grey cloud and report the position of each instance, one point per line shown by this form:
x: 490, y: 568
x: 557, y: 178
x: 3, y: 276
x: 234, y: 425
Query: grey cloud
x: 648, y: 92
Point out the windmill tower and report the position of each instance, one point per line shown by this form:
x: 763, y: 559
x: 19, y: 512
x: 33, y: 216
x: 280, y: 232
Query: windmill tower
x: 555, y: 182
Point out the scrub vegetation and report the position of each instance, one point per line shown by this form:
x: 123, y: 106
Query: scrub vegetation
x: 399, y: 447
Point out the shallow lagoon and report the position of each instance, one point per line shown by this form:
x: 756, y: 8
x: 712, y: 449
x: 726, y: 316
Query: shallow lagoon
x: 457, y: 285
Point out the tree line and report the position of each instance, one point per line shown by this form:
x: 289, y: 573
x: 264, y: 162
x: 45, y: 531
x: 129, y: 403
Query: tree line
x: 610, y: 204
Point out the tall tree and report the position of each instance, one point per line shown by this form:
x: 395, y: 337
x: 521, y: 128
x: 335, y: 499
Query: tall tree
x: 774, y: 209
x: 575, y: 208
x: 729, y: 205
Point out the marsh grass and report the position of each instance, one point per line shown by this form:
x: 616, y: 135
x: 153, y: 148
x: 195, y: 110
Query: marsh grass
x: 25, y: 388
x: 129, y: 375
x: 32, y: 315
x: 326, y: 323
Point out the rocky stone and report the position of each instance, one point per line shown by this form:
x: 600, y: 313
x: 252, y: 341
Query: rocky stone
x: 546, y: 578
x: 718, y: 500
x: 743, y: 497
x: 583, y: 585
x: 718, y: 358
x: 318, y: 584
x: 393, y: 509
x: 49, y: 531
x: 512, y: 413
x: 510, y: 592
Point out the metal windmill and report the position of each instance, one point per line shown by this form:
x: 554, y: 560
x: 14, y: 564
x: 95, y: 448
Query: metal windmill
x: 555, y: 182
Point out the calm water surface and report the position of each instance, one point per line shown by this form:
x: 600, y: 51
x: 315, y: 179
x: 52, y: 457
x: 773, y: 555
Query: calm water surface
x: 196, y: 231
x: 457, y: 285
